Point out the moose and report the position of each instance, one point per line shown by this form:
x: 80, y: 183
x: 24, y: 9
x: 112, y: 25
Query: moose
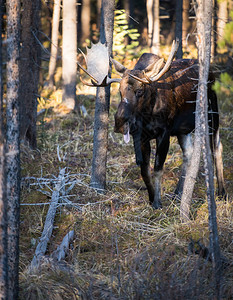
x: 158, y: 101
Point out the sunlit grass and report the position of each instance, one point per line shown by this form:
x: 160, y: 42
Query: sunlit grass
x: 123, y: 248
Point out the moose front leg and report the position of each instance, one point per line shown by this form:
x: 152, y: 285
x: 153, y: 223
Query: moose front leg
x: 137, y: 148
x: 145, y: 170
x: 162, y: 146
x: 137, y: 133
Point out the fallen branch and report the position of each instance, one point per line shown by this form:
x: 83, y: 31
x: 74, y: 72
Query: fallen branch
x: 63, y: 248
x: 48, y: 226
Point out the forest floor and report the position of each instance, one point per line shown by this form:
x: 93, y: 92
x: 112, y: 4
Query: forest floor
x: 123, y: 249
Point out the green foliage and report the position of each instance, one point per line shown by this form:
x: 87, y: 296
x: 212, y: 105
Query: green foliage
x: 121, y: 33
x: 225, y: 83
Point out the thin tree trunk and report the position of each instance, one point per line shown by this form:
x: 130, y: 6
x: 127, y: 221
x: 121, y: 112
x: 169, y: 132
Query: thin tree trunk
x: 214, y: 31
x: 69, y: 53
x: 29, y: 70
x: 204, y: 22
x: 100, y: 144
x: 153, y: 25
x: 193, y: 168
x: 149, y: 7
x: 213, y: 227
x: 185, y: 21
x: 85, y: 20
x: 178, y: 30
x: 98, y: 21
x: 222, y: 18
x: 156, y: 29
x: 204, y: 17
x: 54, y: 42
x: 129, y: 10
x: 3, y: 200
x: 13, y: 149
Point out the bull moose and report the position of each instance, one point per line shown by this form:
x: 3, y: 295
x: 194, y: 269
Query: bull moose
x: 158, y: 101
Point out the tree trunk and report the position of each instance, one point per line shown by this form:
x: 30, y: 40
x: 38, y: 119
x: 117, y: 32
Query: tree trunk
x: 54, y: 42
x: 98, y: 21
x: 29, y: 70
x: 156, y: 29
x: 185, y: 22
x: 3, y: 219
x: 213, y: 227
x: 149, y: 7
x: 193, y: 168
x: 204, y: 19
x: 222, y: 19
x: 198, y: 140
x: 100, y: 144
x: 85, y: 20
x: 214, y: 31
x: 129, y: 10
x: 178, y: 30
x: 12, y: 144
x: 3, y: 200
x: 153, y: 25
x: 69, y: 53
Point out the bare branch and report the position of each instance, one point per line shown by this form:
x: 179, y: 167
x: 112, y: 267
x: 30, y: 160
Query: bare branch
x: 48, y: 226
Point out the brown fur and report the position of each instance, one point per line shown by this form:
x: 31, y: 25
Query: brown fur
x: 162, y: 109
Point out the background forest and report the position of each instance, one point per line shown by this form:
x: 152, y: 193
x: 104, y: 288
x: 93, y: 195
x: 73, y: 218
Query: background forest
x: 105, y: 241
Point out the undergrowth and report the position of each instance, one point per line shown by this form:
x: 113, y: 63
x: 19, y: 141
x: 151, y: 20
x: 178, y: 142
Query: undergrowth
x: 123, y: 249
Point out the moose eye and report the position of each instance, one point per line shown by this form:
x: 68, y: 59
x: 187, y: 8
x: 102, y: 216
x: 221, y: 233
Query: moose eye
x: 139, y: 93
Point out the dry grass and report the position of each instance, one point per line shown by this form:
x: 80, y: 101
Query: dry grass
x: 123, y: 249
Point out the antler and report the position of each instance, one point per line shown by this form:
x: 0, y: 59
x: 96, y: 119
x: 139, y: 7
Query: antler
x: 97, y: 61
x: 157, y: 76
x: 175, y: 46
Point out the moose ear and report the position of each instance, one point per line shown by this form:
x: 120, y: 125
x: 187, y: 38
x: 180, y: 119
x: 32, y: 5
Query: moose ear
x: 118, y: 66
x: 154, y: 68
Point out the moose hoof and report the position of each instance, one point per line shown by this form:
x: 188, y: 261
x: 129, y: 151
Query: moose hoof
x: 139, y: 161
x: 156, y: 205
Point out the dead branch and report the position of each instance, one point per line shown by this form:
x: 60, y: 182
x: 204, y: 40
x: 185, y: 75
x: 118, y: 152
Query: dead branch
x: 48, y: 226
x: 63, y: 248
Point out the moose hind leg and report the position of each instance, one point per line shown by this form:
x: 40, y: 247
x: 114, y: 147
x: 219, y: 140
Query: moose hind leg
x: 157, y: 199
x: 186, y: 145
